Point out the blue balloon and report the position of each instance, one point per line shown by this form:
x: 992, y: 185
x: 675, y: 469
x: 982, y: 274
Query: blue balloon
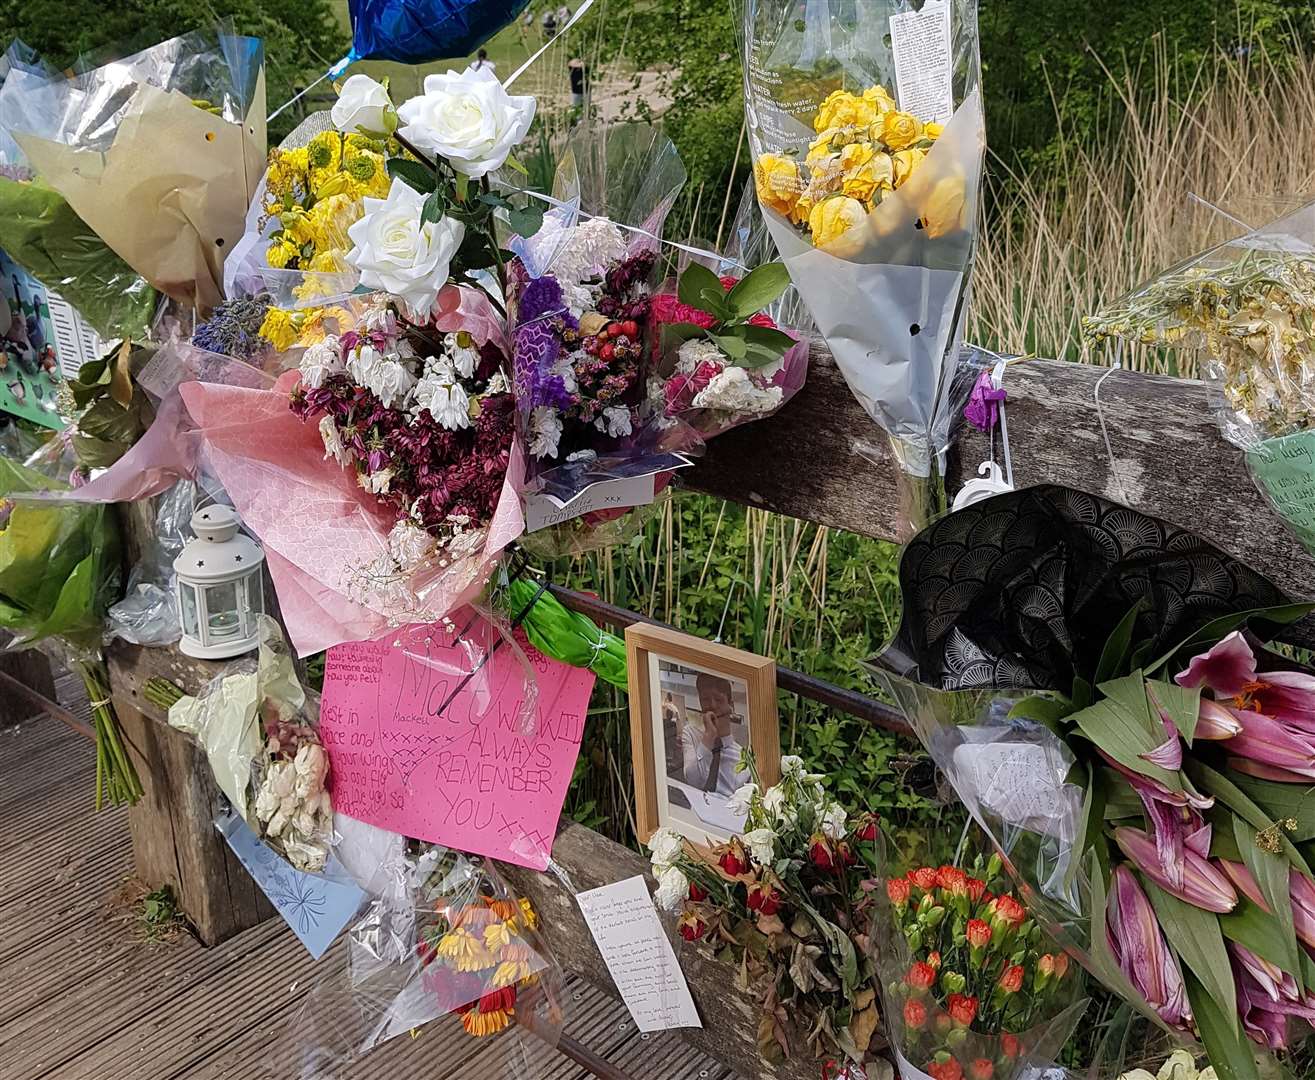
x: 421, y: 31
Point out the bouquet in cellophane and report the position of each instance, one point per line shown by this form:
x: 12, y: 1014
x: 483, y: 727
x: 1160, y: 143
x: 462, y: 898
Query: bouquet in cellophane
x: 1153, y: 799
x: 1247, y: 305
x: 866, y: 127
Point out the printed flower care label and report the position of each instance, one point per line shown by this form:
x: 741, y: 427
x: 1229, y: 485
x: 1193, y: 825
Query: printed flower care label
x: 1284, y: 469
x: 924, y: 61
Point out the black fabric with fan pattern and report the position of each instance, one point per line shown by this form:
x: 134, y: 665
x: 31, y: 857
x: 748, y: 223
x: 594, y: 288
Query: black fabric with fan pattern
x: 1022, y: 591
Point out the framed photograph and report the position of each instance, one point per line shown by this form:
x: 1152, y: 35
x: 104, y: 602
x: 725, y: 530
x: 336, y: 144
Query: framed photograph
x: 694, y: 705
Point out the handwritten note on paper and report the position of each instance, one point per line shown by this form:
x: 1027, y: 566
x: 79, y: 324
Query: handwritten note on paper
x: 1285, y: 469
x: 316, y: 908
x: 626, y: 927
x: 426, y: 734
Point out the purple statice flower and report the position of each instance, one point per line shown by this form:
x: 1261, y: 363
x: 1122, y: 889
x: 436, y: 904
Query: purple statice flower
x: 542, y: 296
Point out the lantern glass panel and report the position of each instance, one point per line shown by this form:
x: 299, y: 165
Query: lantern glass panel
x: 223, y: 616
x: 188, y: 595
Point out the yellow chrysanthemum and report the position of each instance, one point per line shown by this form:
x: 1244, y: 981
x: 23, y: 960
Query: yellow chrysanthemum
x: 324, y: 152
x: 900, y: 130
x: 844, y: 110
x: 778, y: 182
x: 905, y: 162
x: 497, y: 935
x: 832, y: 218
x: 287, y: 173
x: 880, y: 100
x: 876, y: 174
x: 527, y: 913
x: 333, y: 217
x: 279, y: 328
x: 481, y: 1024
x: 279, y: 254
x: 298, y: 227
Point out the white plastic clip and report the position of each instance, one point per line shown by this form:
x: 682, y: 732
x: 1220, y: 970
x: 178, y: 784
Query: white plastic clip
x: 994, y: 480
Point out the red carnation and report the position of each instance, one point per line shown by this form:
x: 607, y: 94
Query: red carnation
x: 976, y: 889
x: 981, y: 1069
x: 1011, y: 980
x: 898, y: 890
x: 979, y: 933
x: 915, y: 1015
x: 935, y: 961
x: 1009, y: 1044
x: 963, y: 1009
x: 945, y: 1070
x: 924, y: 877
x: 1008, y: 911
x: 953, y: 880
x: 920, y: 976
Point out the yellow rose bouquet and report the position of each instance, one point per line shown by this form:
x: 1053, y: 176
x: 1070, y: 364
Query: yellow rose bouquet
x: 866, y: 127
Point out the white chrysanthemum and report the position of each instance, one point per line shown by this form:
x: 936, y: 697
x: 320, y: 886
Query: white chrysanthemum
x: 739, y: 802
x: 672, y: 890
x: 319, y: 361
x: 464, y: 358
x: 592, y: 246
x: 665, y: 846
x: 498, y: 384
x: 545, y: 432
x: 697, y: 351
x: 733, y: 390
x: 333, y: 447
x: 408, y: 544
x: 762, y: 845
x: 447, y: 402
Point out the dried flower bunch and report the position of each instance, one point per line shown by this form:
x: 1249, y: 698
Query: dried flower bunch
x: 1254, y: 317
x: 291, y: 798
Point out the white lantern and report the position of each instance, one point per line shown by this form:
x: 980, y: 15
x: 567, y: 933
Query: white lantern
x: 219, y: 586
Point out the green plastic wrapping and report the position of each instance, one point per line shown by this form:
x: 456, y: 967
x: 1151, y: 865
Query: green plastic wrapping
x: 59, y: 563
x: 41, y: 232
x: 567, y: 635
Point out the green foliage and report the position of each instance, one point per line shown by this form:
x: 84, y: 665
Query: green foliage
x: 302, y: 37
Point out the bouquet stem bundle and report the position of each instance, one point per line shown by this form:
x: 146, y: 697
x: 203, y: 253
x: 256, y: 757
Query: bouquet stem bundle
x: 116, y: 776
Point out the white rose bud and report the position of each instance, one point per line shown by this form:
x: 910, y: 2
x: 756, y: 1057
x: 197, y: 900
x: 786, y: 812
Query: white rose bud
x: 397, y: 255
x: 363, y: 105
x: 672, y: 890
x: 467, y: 118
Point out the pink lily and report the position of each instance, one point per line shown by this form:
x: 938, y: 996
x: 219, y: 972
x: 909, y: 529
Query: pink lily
x: 1216, y: 722
x: 1302, y: 892
x: 1202, y: 886
x: 1266, y: 741
x: 1227, y: 668
x: 1267, y: 997
x: 1286, y: 695
x: 1172, y: 814
x: 1141, y: 952
x: 1241, y: 878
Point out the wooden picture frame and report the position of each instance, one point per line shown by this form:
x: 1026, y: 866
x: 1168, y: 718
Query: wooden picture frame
x: 678, y: 681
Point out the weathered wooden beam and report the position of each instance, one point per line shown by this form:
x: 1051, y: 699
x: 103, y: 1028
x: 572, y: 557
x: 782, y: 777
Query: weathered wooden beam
x: 730, y: 1014
x: 822, y: 459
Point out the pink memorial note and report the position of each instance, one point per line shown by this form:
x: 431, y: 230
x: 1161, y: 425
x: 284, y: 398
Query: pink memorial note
x: 426, y: 733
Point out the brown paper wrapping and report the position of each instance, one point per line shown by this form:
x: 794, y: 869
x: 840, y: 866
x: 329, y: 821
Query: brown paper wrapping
x: 170, y: 195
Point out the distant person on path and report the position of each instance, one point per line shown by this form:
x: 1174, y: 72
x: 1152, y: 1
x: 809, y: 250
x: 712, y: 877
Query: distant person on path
x: 563, y: 14
x: 482, y: 61
x: 579, y: 82
x: 549, y: 23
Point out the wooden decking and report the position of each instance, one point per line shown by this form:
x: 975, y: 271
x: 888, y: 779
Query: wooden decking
x: 84, y: 997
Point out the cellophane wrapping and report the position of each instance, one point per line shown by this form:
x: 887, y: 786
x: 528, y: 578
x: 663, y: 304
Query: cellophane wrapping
x: 1246, y: 306
x: 445, y: 942
x: 158, y: 153
x: 865, y: 123
x: 261, y: 737
x: 580, y: 311
x: 699, y: 385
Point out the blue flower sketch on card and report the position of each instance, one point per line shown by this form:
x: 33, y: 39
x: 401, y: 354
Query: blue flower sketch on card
x: 316, y: 908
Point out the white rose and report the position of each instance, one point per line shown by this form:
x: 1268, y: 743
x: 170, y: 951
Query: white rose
x: 762, y: 845
x: 396, y: 254
x: 833, y: 822
x: 791, y: 764
x: 672, y: 890
x: 362, y: 105
x: 665, y: 846
x: 774, y: 803
x: 467, y: 118
x: 739, y: 802
x: 390, y: 382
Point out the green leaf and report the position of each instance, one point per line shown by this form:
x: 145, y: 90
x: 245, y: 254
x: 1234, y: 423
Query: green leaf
x: 419, y: 177
x: 526, y: 221
x: 1081, y: 693
x: 1254, y: 928
x: 432, y: 209
x: 1048, y: 711
x: 676, y: 334
x: 759, y: 288
x: 696, y: 284
x: 1214, y: 631
x: 1115, y: 652
x: 1181, y: 705
x: 463, y: 187
x: 1271, y: 874
x: 515, y: 164
x: 1121, y: 724
x: 1222, y: 788
x: 765, y: 342
x: 734, y: 347
x: 1281, y: 801
x: 1194, y: 934
x: 1229, y: 1050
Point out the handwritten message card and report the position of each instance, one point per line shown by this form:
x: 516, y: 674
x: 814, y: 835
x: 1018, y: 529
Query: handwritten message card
x: 629, y: 934
x: 427, y: 735
x: 1285, y: 470
x: 316, y: 908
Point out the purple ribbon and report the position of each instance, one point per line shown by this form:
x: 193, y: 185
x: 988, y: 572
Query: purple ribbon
x: 983, y: 408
